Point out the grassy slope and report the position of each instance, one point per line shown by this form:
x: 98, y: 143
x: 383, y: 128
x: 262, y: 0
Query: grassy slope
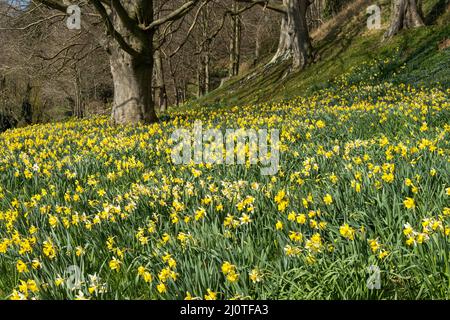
x: 414, y: 58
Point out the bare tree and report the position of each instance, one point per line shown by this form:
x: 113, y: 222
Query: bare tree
x: 131, y: 27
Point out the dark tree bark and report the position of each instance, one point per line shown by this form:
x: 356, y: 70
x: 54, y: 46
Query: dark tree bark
x: 200, y: 76
x: 27, y: 109
x: 405, y: 15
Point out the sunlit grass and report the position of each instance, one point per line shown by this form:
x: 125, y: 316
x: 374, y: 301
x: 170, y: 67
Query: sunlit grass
x: 364, y: 180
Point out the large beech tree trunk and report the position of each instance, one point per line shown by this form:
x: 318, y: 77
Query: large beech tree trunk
x: 405, y: 15
x: 133, y: 73
x: 295, y: 42
x: 132, y: 77
x: 131, y: 26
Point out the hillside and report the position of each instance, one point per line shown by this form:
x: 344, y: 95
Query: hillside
x: 344, y: 46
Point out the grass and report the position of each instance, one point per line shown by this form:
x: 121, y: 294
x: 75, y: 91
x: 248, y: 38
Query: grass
x: 94, y: 211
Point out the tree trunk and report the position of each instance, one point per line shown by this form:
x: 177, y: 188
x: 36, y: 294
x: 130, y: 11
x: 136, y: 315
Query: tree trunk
x: 160, y: 82
x: 257, y: 51
x: 257, y: 43
x: 199, y: 76
x: 133, y: 73
x: 132, y: 77
x: 173, y: 75
x: 79, y: 105
x: 177, y: 95
x: 207, y: 71
x: 176, y: 89
x: 405, y: 15
x: 295, y: 42
x: 185, y: 90
x: 206, y: 50
x: 27, y: 110
x: 235, y: 43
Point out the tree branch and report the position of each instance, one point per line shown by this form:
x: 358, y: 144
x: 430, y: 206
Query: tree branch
x: 267, y: 4
x: 174, y: 15
x: 54, y: 4
x: 112, y: 31
x: 127, y: 21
